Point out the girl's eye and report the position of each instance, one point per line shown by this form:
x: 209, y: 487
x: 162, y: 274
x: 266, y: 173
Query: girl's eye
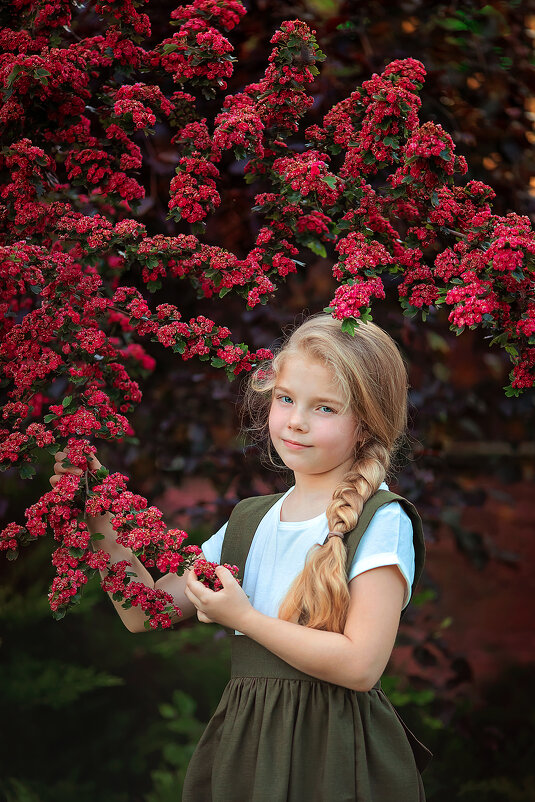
x: 284, y: 398
x: 326, y: 409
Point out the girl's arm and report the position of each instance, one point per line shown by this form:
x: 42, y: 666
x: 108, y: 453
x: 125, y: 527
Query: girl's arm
x: 134, y: 618
x: 355, y: 659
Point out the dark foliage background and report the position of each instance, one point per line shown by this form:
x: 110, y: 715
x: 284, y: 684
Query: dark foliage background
x: 91, y: 711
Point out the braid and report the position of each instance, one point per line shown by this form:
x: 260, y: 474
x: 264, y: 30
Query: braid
x: 357, y: 486
x: 319, y: 596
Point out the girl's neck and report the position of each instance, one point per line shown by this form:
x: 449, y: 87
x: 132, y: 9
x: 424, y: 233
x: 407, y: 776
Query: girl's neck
x: 311, y: 495
x: 319, y: 485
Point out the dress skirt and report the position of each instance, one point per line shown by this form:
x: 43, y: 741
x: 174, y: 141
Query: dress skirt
x: 279, y: 735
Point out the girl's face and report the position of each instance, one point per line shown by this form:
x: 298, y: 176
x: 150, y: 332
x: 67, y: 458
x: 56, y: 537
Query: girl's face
x: 310, y: 433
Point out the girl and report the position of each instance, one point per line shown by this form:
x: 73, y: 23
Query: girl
x: 327, y: 568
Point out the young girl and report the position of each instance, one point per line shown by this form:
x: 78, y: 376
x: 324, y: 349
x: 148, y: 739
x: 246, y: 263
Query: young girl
x: 327, y: 569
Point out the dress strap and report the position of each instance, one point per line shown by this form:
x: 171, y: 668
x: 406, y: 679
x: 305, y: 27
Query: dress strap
x: 379, y: 499
x: 242, y: 525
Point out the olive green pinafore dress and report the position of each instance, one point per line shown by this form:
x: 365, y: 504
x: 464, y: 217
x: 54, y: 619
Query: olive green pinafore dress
x: 279, y: 735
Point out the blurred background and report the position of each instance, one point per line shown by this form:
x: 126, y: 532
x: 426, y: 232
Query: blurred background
x: 93, y: 712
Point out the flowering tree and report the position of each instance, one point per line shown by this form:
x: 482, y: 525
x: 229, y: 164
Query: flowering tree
x: 374, y: 187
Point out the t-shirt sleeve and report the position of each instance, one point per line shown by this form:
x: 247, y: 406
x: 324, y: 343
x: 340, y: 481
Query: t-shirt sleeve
x: 211, y: 548
x: 388, y: 540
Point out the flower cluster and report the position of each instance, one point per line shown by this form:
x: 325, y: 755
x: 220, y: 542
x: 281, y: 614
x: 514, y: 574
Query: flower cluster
x: 224, y: 13
x: 197, y: 54
x: 307, y: 173
x: 280, y: 96
x: 359, y: 256
x: 205, y: 573
x: 193, y: 193
x: 75, y: 120
x: 240, y: 129
x: 390, y: 104
x: 125, y: 13
x: 352, y: 300
x: 428, y: 160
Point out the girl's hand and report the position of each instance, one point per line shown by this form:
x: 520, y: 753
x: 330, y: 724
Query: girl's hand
x: 94, y: 465
x: 228, y: 606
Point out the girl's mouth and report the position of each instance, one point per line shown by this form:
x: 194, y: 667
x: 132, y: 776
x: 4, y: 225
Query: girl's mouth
x: 292, y: 444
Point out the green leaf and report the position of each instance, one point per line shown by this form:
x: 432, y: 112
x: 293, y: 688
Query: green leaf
x: 349, y: 325
x: 316, y: 247
x: 445, y: 155
x: 330, y: 180
x: 167, y: 711
x: 224, y: 291
x: 458, y: 41
x: 12, y: 554
x: 49, y: 417
x: 97, y: 536
x: 16, y: 71
x: 66, y: 401
x: 348, y: 25
x: 391, y: 141
x: 27, y: 471
x: 452, y: 24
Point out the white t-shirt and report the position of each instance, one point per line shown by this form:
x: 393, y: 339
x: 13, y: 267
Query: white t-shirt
x: 279, y: 549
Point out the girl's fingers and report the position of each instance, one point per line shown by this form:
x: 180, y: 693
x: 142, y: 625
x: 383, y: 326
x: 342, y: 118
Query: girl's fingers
x: 94, y: 463
x: 194, y: 594
x: 59, y: 468
x: 192, y: 597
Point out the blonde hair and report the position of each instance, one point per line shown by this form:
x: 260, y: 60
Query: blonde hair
x: 372, y: 380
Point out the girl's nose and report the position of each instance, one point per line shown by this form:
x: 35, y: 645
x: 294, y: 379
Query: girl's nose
x: 297, y: 420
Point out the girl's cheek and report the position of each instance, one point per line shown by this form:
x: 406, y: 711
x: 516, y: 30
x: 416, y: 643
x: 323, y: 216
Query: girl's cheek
x: 274, y: 420
x: 271, y: 423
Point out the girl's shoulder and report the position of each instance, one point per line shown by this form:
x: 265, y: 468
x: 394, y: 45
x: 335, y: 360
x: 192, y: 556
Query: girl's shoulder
x: 253, y: 503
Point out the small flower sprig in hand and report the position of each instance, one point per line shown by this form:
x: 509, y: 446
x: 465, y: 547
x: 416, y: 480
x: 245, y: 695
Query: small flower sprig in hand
x: 205, y: 573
